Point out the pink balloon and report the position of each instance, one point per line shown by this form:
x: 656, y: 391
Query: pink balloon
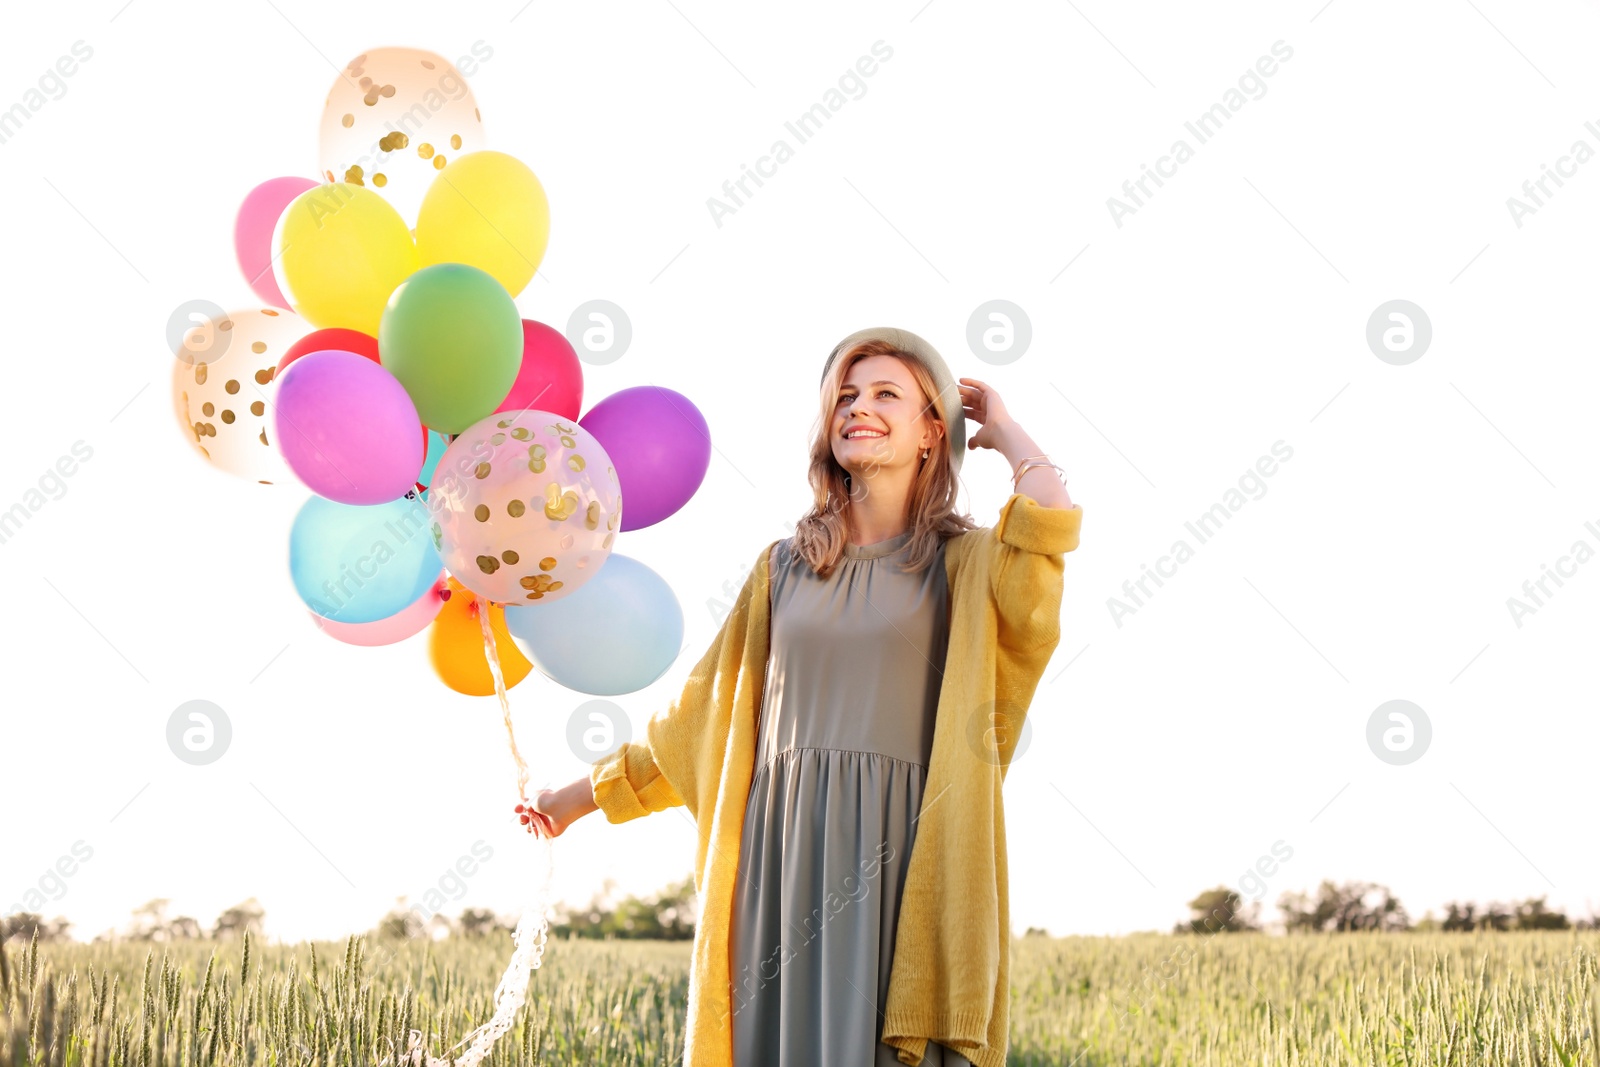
x: 397, y: 627
x: 252, y: 234
x: 525, y: 507
x: 550, y: 378
x: 348, y: 428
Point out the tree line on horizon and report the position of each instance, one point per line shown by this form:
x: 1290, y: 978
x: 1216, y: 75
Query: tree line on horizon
x: 664, y: 916
x: 670, y: 915
x: 149, y: 922
x: 1358, y: 906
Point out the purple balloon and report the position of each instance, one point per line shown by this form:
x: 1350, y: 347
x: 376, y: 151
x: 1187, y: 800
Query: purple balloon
x: 659, y: 443
x: 348, y: 428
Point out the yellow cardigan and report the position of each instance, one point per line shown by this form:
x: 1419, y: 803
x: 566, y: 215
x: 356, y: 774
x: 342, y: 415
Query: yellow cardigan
x: 948, y: 980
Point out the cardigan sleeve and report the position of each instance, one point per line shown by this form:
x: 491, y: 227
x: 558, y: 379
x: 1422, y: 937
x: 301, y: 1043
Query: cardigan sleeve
x: 1025, y: 571
x: 666, y: 767
x: 628, y: 784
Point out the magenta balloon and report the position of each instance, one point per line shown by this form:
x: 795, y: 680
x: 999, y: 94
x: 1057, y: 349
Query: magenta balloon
x: 348, y: 428
x: 659, y: 443
x: 397, y: 627
x: 252, y: 234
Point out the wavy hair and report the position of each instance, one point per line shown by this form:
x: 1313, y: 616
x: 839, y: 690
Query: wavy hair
x: 822, y: 533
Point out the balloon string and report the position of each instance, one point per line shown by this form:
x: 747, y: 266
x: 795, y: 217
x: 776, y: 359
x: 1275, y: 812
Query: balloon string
x: 533, y: 927
x: 491, y: 652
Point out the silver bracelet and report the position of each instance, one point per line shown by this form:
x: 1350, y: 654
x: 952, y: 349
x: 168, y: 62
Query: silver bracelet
x: 1017, y: 478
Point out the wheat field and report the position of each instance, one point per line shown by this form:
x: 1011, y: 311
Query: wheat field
x: 1512, y: 998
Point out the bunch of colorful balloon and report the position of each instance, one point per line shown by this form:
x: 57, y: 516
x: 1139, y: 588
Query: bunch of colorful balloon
x: 394, y: 375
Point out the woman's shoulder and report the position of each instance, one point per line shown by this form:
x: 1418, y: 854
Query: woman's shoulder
x: 779, y: 552
x: 959, y: 544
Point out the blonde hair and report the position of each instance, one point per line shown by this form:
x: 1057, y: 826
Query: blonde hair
x: 822, y: 533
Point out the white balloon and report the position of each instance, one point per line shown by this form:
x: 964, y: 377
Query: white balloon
x: 393, y: 118
x: 224, y: 384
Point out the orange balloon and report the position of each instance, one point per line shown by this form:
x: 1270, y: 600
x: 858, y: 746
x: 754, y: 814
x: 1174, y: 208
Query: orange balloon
x: 455, y: 645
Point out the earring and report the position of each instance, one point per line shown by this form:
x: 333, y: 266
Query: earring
x: 924, y: 453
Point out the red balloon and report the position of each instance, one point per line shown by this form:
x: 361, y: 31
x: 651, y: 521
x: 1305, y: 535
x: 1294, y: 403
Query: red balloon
x: 550, y: 378
x: 361, y: 344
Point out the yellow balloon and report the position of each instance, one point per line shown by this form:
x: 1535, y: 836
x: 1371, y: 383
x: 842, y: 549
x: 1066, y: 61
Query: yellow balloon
x: 487, y: 210
x: 455, y: 645
x: 342, y: 249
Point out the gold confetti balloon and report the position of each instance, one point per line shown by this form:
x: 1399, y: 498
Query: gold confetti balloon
x: 395, y: 118
x: 525, y: 507
x: 224, y: 384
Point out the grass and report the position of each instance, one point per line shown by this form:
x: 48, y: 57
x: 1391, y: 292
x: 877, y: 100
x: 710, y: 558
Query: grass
x: 1525, y: 998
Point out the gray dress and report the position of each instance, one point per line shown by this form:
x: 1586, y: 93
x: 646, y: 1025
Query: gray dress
x: 842, y: 750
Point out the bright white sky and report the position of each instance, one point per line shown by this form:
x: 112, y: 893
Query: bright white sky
x: 1172, y: 746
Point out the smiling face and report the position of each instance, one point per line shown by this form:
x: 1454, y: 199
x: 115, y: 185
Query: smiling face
x: 881, y: 401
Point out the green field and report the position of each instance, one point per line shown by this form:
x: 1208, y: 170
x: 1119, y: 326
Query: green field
x: 1513, y: 998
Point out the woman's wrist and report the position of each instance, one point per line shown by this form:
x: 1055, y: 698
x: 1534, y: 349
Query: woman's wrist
x: 1043, y: 483
x: 578, y: 798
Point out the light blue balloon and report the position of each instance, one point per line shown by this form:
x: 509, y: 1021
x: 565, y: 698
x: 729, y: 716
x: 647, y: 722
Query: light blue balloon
x: 357, y: 563
x: 437, y: 443
x: 616, y: 633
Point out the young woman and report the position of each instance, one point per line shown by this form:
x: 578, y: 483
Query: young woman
x: 897, y: 646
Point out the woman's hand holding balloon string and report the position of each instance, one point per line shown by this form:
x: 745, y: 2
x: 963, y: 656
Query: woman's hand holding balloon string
x: 533, y: 821
x: 553, y: 810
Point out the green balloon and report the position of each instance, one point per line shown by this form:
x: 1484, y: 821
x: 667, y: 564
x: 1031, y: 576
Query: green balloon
x: 452, y: 336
